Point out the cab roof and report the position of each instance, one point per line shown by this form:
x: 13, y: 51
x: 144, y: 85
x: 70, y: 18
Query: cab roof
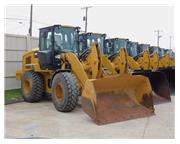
x: 118, y: 38
x: 66, y: 26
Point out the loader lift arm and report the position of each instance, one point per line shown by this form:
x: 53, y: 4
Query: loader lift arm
x: 123, y: 63
x: 96, y: 93
x: 149, y: 64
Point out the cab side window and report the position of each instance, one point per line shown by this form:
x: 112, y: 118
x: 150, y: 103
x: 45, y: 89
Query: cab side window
x: 46, y: 40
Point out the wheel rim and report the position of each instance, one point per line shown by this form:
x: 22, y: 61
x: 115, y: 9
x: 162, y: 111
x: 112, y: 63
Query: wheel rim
x: 59, y: 92
x: 27, y: 86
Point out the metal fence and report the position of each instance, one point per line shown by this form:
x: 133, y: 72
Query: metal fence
x: 15, y: 46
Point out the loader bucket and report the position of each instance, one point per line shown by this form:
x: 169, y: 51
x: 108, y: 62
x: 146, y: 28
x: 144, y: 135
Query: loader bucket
x: 170, y: 74
x: 160, y: 85
x: 117, y: 98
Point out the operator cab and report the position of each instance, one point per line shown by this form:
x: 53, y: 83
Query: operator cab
x: 55, y: 40
x: 132, y: 48
x: 142, y: 47
x: 170, y: 52
x: 153, y: 49
x: 113, y: 45
x: 161, y: 52
x: 86, y: 39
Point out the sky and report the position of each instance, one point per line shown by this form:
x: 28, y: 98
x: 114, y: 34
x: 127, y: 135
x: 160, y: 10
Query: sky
x: 137, y: 23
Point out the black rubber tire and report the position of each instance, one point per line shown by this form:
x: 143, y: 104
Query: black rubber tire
x: 70, y: 91
x: 37, y: 87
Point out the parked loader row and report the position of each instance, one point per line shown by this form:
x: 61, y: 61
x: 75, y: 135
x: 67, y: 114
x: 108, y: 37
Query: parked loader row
x: 68, y: 64
x: 151, y: 59
x: 123, y: 56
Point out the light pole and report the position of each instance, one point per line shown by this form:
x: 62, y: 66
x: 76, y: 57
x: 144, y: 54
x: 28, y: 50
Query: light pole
x: 158, y: 36
x: 86, y: 17
x: 170, y: 38
x: 30, y: 25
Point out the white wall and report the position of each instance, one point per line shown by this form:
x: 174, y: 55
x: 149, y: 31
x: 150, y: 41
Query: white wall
x: 15, y: 46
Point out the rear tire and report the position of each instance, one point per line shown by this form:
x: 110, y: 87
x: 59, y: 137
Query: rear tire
x: 32, y: 86
x: 65, y: 91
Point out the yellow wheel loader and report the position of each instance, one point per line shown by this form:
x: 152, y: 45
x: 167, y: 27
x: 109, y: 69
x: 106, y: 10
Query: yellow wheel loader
x: 56, y: 69
x: 121, y: 62
x: 151, y: 61
x: 164, y: 61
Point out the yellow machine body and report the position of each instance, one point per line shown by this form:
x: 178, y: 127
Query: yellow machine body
x: 140, y: 67
x: 30, y: 62
x: 166, y: 64
x: 144, y: 60
x: 150, y: 65
x: 154, y: 61
x: 157, y: 62
x: 122, y: 63
x: 105, y: 98
x: 166, y: 61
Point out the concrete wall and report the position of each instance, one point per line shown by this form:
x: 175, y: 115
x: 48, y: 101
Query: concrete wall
x: 15, y: 46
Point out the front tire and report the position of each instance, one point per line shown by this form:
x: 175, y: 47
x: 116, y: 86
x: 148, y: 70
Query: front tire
x: 65, y: 91
x: 32, y: 86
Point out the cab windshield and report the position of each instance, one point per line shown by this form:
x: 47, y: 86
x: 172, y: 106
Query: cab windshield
x: 65, y: 39
x: 118, y: 44
x: 161, y: 52
x: 108, y: 49
x: 95, y: 38
x: 132, y: 49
